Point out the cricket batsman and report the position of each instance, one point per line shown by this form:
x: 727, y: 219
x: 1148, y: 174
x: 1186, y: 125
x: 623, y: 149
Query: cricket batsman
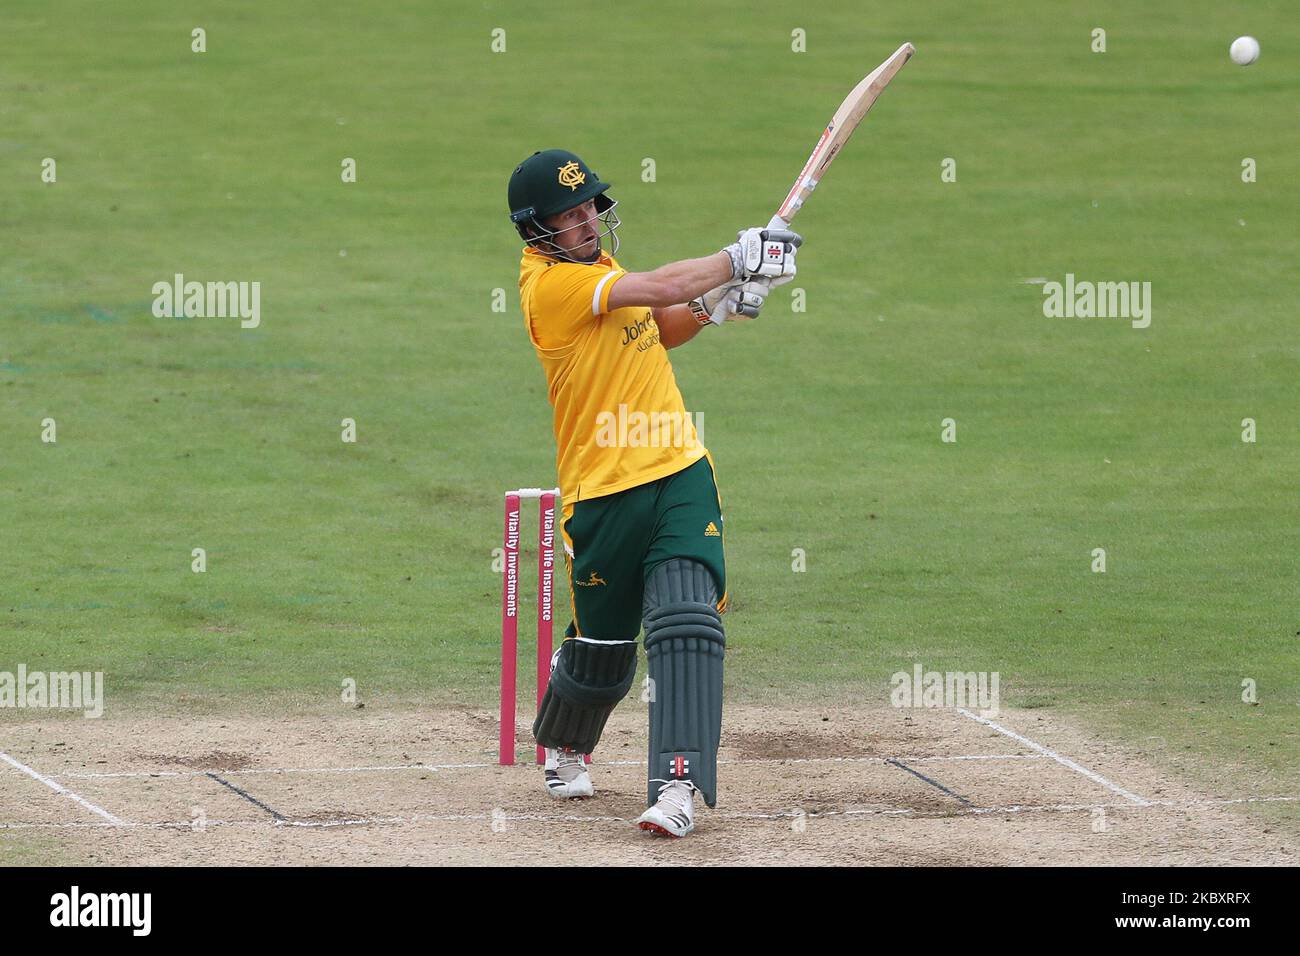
x: 641, y: 516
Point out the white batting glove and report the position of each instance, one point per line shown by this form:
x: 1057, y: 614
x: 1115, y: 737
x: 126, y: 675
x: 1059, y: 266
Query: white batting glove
x: 732, y: 301
x: 750, y: 298
x: 716, y: 304
x: 763, y: 253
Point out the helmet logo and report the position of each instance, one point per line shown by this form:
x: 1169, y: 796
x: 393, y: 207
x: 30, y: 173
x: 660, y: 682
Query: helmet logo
x: 571, y: 175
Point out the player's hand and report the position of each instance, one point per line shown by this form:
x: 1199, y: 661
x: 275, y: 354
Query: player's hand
x: 733, y: 301
x: 716, y: 305
x: 750, y: 297
x: 763, y: 253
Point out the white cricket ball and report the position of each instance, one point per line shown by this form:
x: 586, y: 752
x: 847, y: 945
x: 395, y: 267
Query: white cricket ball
x: 1244, y: 51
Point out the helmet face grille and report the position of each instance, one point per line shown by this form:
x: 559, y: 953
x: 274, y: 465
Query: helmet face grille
x: 540, y: 237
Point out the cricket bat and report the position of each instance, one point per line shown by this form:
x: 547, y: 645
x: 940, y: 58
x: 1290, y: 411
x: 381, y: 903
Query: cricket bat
x: 837, y: 133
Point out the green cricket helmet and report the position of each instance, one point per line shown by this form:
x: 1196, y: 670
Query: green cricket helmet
x: 549, y: 182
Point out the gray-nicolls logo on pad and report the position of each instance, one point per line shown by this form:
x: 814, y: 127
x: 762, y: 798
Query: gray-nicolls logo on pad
x: 75, y: 908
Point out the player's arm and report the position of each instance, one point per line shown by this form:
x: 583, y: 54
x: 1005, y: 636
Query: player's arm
x: 677, y: 325
x: 757, y: 253
x: 727, y: 302
x: 672, y: 284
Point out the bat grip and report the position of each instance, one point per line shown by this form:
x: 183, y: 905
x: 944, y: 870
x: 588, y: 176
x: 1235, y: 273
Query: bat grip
x: 776, y: 222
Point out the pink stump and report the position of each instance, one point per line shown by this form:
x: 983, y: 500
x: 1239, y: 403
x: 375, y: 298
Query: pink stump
x: 545, y: 597
x: 509, y: 632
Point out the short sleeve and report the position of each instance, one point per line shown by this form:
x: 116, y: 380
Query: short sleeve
x: 567, y: 296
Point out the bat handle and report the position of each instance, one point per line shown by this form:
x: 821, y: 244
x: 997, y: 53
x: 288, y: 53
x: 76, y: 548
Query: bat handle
x: 776, y: 222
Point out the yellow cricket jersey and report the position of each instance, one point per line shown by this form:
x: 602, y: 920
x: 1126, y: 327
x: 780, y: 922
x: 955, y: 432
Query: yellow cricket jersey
x: 619, y: 417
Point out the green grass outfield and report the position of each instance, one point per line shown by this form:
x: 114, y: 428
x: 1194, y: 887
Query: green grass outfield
x: 373, y: 561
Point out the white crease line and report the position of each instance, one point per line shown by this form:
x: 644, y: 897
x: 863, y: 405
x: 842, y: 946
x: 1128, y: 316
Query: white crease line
x: 380, y: 769
x: 774, y: 760
x: 103, y: 775
x: 1059, y: 758
x: 483, y: 766
x: 887, y: 759
x: 60, y: 789
x: 261, y: 823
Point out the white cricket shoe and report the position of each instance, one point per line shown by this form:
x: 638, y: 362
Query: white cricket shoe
x: 674, y: 813
x: 566, y: 774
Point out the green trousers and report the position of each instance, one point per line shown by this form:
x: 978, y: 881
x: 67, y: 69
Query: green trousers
x: 618, y: 539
